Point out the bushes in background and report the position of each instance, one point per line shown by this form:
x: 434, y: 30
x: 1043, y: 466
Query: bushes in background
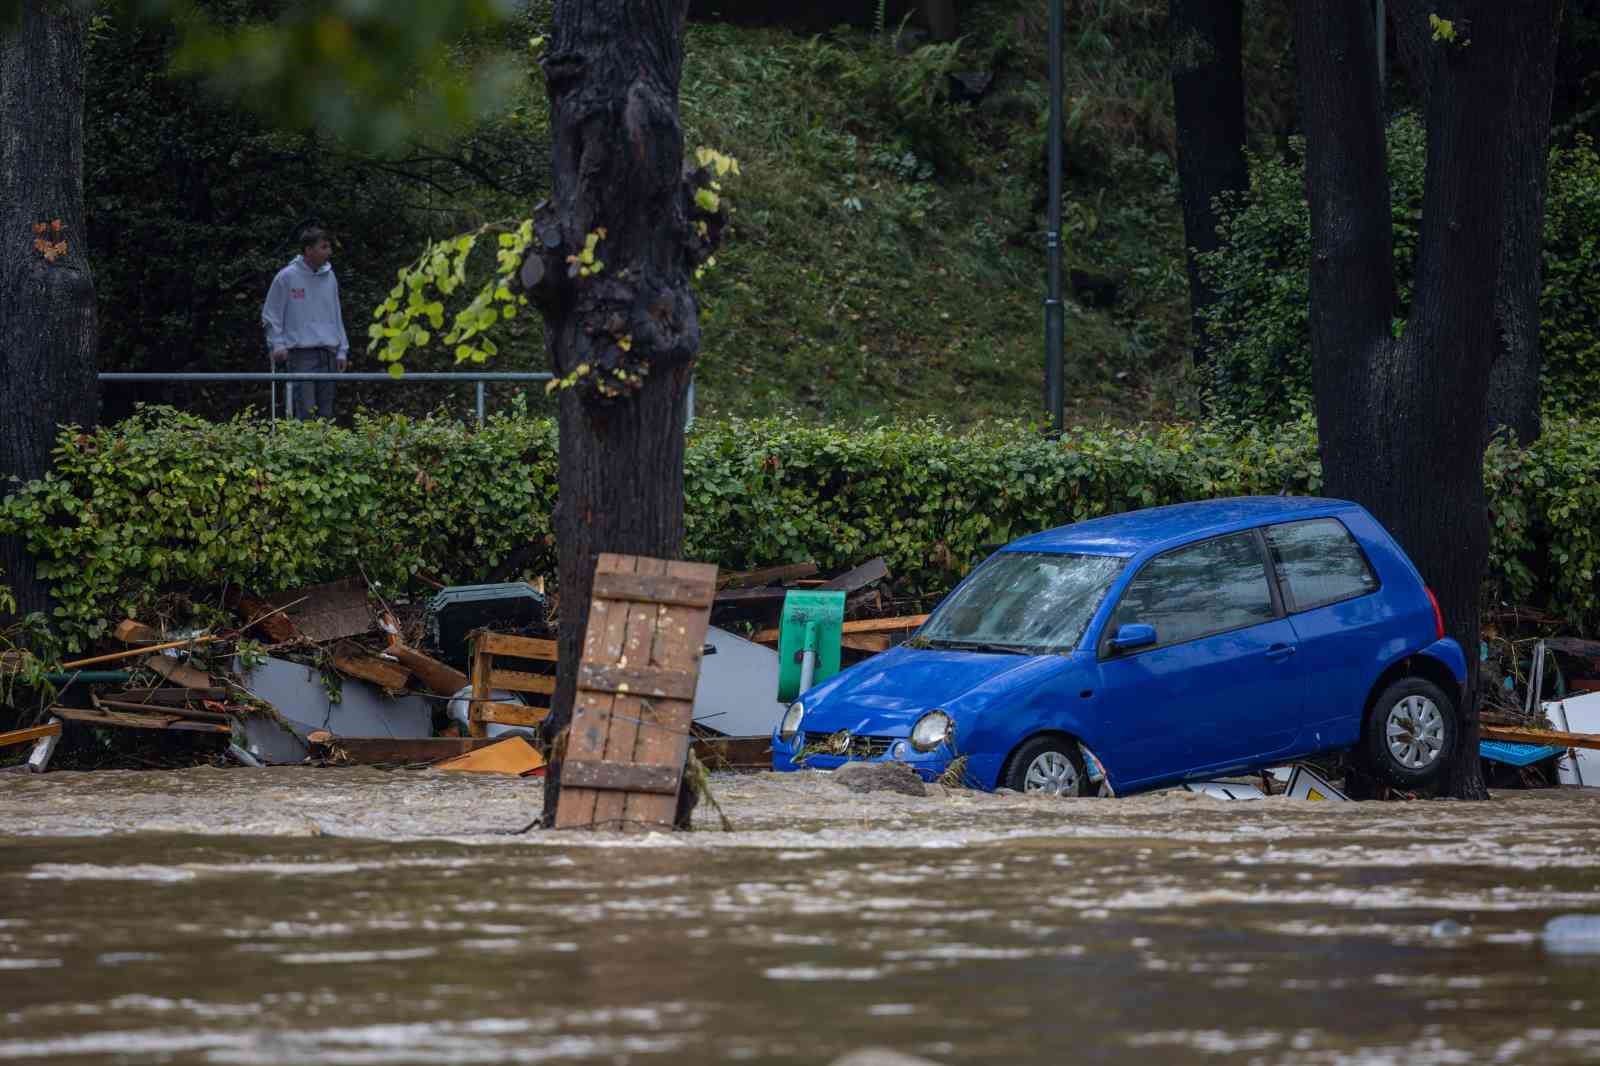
x: 168, y: 502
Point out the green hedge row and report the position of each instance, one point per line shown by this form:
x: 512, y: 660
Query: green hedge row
x: 167, y: 502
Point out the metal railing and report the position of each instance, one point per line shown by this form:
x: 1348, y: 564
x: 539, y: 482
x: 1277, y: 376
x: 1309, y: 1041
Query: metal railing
x: 288, y: 379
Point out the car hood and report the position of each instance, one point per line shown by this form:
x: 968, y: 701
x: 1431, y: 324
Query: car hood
x: 886, y: 694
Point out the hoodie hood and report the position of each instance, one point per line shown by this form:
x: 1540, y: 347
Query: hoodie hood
x: 300, y: 262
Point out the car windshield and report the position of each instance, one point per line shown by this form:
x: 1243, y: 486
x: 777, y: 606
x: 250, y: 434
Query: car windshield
x: 1023, y: 602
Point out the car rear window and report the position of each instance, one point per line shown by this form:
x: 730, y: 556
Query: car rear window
x: 1200, y: 589
x: 1319, y: 563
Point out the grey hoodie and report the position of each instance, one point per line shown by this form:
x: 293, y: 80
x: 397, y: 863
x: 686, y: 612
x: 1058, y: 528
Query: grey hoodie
x: 302, y: 310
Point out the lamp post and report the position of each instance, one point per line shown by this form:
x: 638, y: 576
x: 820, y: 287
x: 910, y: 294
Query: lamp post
x: 1053, y: 308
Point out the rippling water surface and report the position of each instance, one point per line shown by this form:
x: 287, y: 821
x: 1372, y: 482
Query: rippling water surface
x: 353, y: 916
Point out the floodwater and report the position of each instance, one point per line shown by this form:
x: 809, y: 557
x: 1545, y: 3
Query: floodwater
x: 356, y: 916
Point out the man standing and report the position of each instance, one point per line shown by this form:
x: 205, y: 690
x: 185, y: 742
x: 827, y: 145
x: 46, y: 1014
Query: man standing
x: 305, y: 325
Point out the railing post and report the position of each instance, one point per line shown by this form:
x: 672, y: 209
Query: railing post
x: 480, y: 405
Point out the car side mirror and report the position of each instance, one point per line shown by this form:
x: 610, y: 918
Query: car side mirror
x: 1134, y: 635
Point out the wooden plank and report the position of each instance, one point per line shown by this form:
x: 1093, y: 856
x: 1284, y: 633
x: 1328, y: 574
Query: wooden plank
x: 389, y: 676
x: 377, y: 751
x: 863, y: 625
x: 734, y: 753
x: 509, y: 713
x: 79, y: 664
x: 639, y: 636
x: 24, y: 736
x: 136, y: 721
x: 482, y: 665
x: 519, y: 647
x: 521, y: 681
x: 587, y: 737
x: 656, y: 589
x: 130, y: 631
x: 157, y: 709
x: 854, y: 580
x: 178, y: 673
x: 436, y: 677
x: 1522, y: 735
x: 871, y: 643
x: 618, y: 778
x: 771, y: 575
x: 509, y: 755
x: 648, y: 681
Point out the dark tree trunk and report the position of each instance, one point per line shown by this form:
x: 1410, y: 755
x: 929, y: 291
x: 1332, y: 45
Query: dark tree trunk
x: 624, y: 339
x: 1514, y: 394
x: 1403, y: 421
x: 47, y: 314
x: 1207, y: 44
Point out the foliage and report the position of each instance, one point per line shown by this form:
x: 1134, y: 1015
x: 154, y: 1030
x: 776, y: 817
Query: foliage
x: 1262, y: 368
x: 166, y: 502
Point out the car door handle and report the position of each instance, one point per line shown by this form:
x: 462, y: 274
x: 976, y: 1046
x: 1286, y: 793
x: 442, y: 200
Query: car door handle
x: 1280, y: 651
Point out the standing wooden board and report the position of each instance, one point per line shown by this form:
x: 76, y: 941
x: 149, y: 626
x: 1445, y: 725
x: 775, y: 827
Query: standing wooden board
x: 630, y: 720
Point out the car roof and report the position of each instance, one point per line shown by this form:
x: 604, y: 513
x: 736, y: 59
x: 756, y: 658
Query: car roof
x: 1155, y: 528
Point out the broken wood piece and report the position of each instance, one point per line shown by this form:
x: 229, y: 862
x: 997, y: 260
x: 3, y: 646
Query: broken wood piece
x: 177, y: 712
x: 522, y: 681
x: 620, y: 777
x: 534, y: 648
x: 509, y: 714
x: 771, y: 575
x: 508, y: 755
x: 1556, y: 738
x: 871, y: 643
x: 118, y: 719
x: 178, y: 673
x: 390, y: 676
x: 32, y: 733
x: 436, y: 677
x: 78, y: 664
x: 270, y: 620
x: 864, y: 625
x: 130, y: 631
x: 867, y: 573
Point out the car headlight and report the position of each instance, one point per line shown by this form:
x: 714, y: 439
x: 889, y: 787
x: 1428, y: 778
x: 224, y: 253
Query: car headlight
x: 931, y: 730
x: 791, y: 720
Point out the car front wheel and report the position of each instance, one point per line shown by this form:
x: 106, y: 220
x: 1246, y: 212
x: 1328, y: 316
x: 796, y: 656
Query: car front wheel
x: 1411, y: 731
x: 1049, y: 766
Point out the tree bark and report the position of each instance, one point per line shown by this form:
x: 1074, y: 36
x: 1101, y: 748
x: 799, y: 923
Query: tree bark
x: 47, y: 311
x: 1403, y: 421
x: 1207, y: 46
x: 623, y: 338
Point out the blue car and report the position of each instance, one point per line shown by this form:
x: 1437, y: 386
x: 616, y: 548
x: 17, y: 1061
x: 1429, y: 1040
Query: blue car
x: 1168, y: 644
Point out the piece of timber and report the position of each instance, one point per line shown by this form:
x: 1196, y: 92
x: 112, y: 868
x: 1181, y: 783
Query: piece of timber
x: 436, y: 677
x: 270, y: 620
x: 859, y: 578
x: 608, y: 776
x: 1521, y: 735
x: 872, y: 643
x: 770, y: 575
x: 376, y: 751
x: 863, y: 625
x: 137, y: 721
x: 78, y: 664
x: 130, y: 631
x: 512, y: 756
x: 160, y: 709
x: 652, y: 681
x: 734, y: 753
x: 658, y: 589
x: 389, y: 676
x: 33, y: 732
x: 522, y: 681
x: 178, y: 673
x: 509, y: 714
x: 517, y: 647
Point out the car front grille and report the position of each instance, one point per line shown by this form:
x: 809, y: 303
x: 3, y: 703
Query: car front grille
x: 847, y: 744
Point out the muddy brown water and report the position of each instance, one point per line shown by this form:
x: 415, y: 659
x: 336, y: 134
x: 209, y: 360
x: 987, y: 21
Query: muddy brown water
x: 357, y: 916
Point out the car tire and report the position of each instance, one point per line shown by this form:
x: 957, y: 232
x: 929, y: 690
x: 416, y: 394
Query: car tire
x: 1049, y: 765
x: 1410, y: 733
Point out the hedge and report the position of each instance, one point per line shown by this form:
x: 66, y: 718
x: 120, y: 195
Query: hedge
x: 168, y: 502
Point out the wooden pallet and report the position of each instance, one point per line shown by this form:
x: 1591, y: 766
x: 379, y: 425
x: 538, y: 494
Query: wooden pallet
x: 487, y: 677
x: 629, y: 737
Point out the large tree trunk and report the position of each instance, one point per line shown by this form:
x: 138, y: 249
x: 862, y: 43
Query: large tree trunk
x: 1403, y: 421
x: 623, y: 339
x: 47, y: 313
x: 1207, y: 44
x: 1514, y: 393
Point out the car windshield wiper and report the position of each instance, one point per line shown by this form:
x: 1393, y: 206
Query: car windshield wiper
x: 976, y: 645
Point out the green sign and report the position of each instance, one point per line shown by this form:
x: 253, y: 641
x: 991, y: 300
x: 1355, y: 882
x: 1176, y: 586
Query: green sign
x: 812, y: 621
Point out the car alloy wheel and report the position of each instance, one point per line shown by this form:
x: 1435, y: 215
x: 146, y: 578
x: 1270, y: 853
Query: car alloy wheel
x: 1414, y: 731
x: 1053, y: 774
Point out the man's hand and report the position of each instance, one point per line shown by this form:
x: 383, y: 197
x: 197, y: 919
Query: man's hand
x: 341, y: 363
x: 278, y: 355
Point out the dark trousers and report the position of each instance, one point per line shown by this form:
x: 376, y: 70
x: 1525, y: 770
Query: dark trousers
x: 312, y: 399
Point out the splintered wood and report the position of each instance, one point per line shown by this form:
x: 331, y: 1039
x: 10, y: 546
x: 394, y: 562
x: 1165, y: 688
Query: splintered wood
x: 630, y: 721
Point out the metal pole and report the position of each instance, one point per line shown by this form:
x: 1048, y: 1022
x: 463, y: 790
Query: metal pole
x: 480, y: 405
x: 1053, y: 310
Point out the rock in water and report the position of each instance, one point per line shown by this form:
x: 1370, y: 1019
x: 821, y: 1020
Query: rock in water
x: 880, y: 777
x: 1573, y: 934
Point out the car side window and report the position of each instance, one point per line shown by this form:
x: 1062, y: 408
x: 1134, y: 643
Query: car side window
x: 1318, y: 563
x: 1200, y: 589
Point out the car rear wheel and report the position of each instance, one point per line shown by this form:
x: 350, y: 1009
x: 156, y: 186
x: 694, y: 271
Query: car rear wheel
x: 1048, y: 766
x: 1411, y: 731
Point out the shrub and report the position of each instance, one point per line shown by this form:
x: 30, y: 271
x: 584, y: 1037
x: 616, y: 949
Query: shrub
x: 166, y: 502
x: 1262, y: 363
